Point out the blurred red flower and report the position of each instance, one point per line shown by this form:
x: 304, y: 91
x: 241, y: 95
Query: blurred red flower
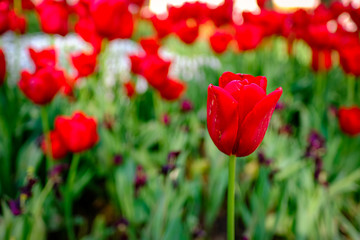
x: 17, y: 22
x: 41, y: 86
x: 4, y: 17
x: 220, y: 40
x: 155, y: 70
x: 349, y: 120
x: 321, y: 60
x: 53, y: 16
x: 222, y: 14
x: 150, y: 45
x: 2, y: 67
x: 239, y: 112
x: 78, y: 132
x: 58, y: 148
x: 112, y: 18
x: 349, y: 59
x: 172, y: 89
x: 248, y: 36
x: 84, y: 63
x: 187, y: 30
x: 162, y: 26
x: 85, y: 27
x: 43, y: 58
x: 129, y: 89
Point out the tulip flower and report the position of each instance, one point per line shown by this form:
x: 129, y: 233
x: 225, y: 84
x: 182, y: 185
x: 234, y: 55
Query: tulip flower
x: 321, y: 60
x: 349, y: 59
x: 187, y: 30
x: 85, y: 27
x: 155, y: 70
x: 112, y: 18
x: 220, y: 40
x: 129, y: 89
x: 162, y: 26
x: 53, y: 16
x: 43, y: 58
x: 150, y: 45
x: 172, y: 89
x: 222, y: 14
x: 17, y: 22
x: 41, y: 86
x: 2, y: 67
x: 4, y: 17
x: 85, y: 64
x: 349, y: 120
x: 238, y: 115
x: 78, y: 132
x: 248, y: 36
x: 58, y: 148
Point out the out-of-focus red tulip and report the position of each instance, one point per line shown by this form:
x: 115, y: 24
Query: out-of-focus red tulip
x: 155, y: 70
x: 349, y: 59
x: 4, y: 17
x: 150, y: 45
x: 220, y: 40
x: 162, y: 26
x: 337, y: 8
x: 82, y: 8
x: 248, y: 36
x: 129, y: 89
x: 222, y: 14
x: 261, y: 3
x: 53, y: 16
x: 172, y: 89
x: 321, y: 15
x: 316, y: 35
x: 2, y: 67
x: 239, y: 112
x: 41, y: 86
x: 43, y: 58
x: 321, y: 60
x: 27, y: 5
x: 85, y: 27
x: 271, y: 22
x: 138, y: 3
x: 112, y: 18
x: 85, y: 64
x: 187, y: 30
x: 349, y: 120
x: 136, y: 64
x: 78, y: 132
x: 58, y: 148
x: 17, y: 23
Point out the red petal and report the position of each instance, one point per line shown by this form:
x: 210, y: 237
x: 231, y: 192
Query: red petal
x: 254, y: 126
x: 227, y: 77
x: 222, y: 118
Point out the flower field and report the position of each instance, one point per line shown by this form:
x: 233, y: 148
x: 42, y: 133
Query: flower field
x: 204, y: 123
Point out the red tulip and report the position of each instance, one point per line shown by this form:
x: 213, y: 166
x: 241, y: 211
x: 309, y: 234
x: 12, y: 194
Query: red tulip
x: 349, y: 120
x: 220, y: 40
x: 271, y: 22
x: 349, y: 59
x: 129, y: 89
x: 162, y: 26
x: 53, y: 16
x: 222, y: 14
x: 239, y: 112
x: 78, y: 132
x: 43, y: 58
x: 85, y: 64
x: 150, y: 45
x: 41, y: 86
x: 85, y: 27
x: 316, y: 35
x: 4, y: 17
x: 261, y: 3
x: 187, y: 30
x: 58, y: 148
x: 155, y: 70
x: 172, y: 89
x: 136, y: 64
x: 112, y: 18
x: 2, y: 67
x: 17, y: 22
x: 27, y: 5
x: 248, y: 36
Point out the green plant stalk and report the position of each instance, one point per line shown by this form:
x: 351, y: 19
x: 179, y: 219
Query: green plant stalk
x: 46, y: 130
x: 69, y: 196
x: 350, y: 89
x: 231, y: 199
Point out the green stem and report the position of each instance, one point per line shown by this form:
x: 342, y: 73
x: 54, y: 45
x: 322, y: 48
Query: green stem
x: 231, y: 199
x: 42, y: 197
x: 69, y: 196
x: 46, y: 130
x: 350, y: 90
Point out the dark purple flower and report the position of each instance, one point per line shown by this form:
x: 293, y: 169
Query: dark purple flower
x: 279, y: 106
x: 263, y: 160
x: 166, y: 169
x: 186, y: 106
x: 166, y: 119
x: 118, y: 159
x: 26, y: 190
x: 15, y: 207
x: 172, y: 156
x: 140, y: 178
x: 316, y: 145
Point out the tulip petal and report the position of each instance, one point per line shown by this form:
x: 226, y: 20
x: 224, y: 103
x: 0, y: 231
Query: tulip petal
x: 255, y: 124
x: 222, y: 118
x: 227, y: 77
